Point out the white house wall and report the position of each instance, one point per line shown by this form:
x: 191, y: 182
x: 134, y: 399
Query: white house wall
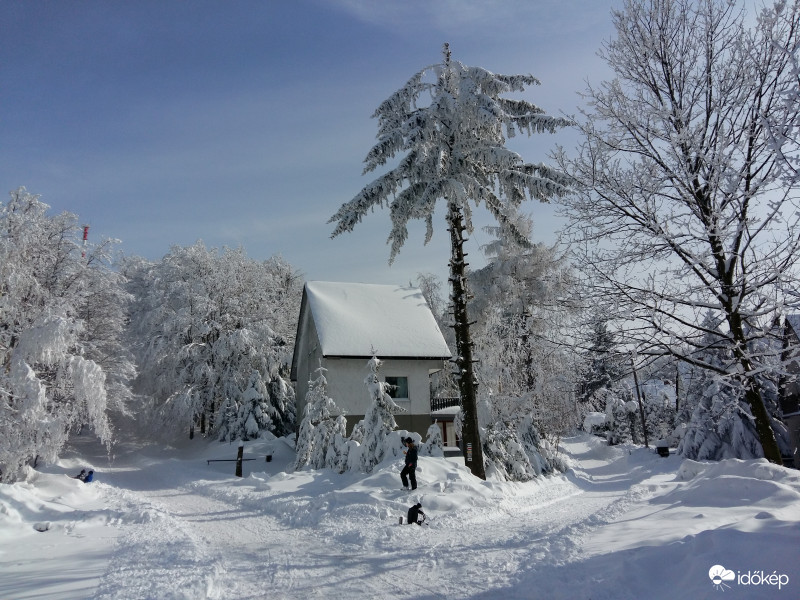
x: 347, y: 388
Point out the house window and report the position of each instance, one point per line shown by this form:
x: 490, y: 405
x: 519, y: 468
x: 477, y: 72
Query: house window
x: 398, y: 387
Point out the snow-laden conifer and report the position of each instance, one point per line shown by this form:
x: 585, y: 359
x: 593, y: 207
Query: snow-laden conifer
x: 255, y: 410
x: 434, y: 444
x: 317, y: 445
x: 604, y: 367
x: 451, y: 121
x: 720, y: 423
x: 379, y: 419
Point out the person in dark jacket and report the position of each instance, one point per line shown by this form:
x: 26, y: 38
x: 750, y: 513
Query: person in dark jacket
x: 408, y: 472
x: 416, y: 515
x: 89, y: 477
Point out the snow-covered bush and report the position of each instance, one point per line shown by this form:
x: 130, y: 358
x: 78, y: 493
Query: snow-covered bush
x: 721, y: 427
x: 434, y: 444
x: 505, y: 454
x: 594, y: 422
x: 620, y: 417
x: 513, y: 447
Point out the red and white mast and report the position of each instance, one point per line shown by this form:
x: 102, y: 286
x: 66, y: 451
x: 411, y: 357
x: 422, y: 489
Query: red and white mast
x: 85, y: 238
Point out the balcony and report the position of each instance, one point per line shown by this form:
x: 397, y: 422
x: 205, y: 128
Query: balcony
x: 438, y: 404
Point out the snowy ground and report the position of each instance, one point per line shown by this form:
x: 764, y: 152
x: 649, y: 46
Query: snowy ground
x: 623, y: 523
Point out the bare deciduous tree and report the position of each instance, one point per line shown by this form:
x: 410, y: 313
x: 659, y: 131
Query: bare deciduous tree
x: 684, y: 204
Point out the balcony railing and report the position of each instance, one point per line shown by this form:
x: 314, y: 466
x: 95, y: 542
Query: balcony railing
x: 440, y: 403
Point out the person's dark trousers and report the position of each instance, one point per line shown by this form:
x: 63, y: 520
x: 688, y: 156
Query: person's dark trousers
x: 409, y: 471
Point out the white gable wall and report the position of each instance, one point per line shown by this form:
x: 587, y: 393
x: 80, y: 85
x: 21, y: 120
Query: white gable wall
x: 347, y: 388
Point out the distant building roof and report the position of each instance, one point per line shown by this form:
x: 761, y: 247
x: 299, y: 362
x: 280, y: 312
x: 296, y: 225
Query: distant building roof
x: 794, y: 323
x: 357, y: 319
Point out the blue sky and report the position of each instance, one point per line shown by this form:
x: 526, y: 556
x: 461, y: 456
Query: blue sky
x: 245, y: 123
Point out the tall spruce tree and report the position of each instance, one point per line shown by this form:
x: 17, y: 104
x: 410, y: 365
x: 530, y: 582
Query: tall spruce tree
x: 454, y: 148
x: 604, y: 367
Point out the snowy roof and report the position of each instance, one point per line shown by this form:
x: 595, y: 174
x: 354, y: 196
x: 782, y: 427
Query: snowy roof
x: 355, y: 319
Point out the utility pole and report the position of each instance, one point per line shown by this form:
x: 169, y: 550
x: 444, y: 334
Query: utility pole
x: 639, y: 398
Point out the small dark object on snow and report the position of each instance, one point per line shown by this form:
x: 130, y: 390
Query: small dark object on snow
x: 81, y: 475
x: 416, y: 515
x: 663, y: 451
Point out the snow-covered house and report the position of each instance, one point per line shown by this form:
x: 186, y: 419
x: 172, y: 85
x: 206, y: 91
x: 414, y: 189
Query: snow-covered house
x: 341, y: 326
x: 790, y: 394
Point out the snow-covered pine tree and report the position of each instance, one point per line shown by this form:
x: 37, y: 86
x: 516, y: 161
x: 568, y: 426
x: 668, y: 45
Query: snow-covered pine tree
x: 338, y: 456
x: 254, y: 410
x: 720, y: 425
x: 452, y: 120
x: 604, y: 367
x: 434, y: 444
x: 524, y: 302
x: 379, y: 419
x: 320, y: 425
x: 227, y: 422
x: 620, y: 416
x: 282, y: 402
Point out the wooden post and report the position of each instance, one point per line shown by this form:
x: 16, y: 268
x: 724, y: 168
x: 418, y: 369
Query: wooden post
x: 239, y: 461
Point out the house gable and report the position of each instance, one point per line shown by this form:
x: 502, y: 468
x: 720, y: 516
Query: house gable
x: 342, y: 324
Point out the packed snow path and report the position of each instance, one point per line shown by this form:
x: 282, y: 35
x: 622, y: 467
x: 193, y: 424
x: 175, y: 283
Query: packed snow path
x: 623, y: 523
x: 243, y: 539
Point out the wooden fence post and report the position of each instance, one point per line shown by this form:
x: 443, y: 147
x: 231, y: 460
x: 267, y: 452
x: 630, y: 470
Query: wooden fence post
x: 239, y: 461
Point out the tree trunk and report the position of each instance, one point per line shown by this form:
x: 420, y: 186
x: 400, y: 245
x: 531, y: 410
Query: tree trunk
x: 753, y: 394
x: 467, y: 384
